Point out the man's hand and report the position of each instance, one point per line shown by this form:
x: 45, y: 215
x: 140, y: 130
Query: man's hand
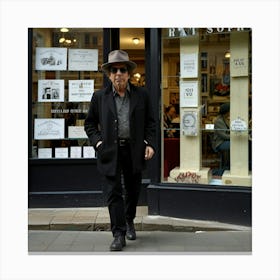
x: 149, y: 152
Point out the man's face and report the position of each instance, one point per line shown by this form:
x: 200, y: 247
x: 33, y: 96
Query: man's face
x: 172, y: 112
x: 119, y: 75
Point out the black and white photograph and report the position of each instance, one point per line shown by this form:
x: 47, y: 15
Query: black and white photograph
x: 50, y: 90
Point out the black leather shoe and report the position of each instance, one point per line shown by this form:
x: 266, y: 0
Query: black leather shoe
x: 130, y: 231
x: 118, y: 243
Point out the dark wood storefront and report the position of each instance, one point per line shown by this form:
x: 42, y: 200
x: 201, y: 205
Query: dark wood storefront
x: 77, y: 183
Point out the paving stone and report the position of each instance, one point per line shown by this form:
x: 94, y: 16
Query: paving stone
x: 40, y: 218
x: 156, y: 223
x: 104, y: 212
x: 72, y: 226
x: 142, y: 211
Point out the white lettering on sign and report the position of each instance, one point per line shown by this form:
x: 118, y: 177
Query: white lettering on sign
x: 181, y: 32
x: 171, y: 32
x: 223, y: 29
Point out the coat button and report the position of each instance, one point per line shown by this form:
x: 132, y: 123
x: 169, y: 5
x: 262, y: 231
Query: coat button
x: 115, y: 141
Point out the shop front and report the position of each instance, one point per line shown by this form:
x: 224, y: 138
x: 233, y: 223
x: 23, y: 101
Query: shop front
x: 200, y: 85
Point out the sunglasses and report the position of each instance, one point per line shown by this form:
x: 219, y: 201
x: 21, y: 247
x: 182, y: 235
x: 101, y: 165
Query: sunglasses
x: 114, y: 70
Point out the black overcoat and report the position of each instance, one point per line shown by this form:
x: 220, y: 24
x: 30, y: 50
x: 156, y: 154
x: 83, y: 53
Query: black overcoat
x: 101, y: 124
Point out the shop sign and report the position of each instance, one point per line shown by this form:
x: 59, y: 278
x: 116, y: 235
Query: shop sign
x: 184, y: 32
x: 224, y: 30
x: 181, y: 32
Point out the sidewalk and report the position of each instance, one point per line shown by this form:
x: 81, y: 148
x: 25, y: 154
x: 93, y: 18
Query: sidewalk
x: 97, y: 219
x: 147, y: 242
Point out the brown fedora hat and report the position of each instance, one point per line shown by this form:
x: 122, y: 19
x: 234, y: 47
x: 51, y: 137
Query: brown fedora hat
x: 118, y: 56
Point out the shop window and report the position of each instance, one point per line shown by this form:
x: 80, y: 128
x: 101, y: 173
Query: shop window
x: 65, y: 73
x: 204, y: 70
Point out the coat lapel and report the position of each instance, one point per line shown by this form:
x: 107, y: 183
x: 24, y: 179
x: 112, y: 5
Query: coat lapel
x: 109, y: 101
x: 133, y: 100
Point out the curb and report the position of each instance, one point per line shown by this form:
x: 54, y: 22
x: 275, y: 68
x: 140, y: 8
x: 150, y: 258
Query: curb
x: 39, y: 221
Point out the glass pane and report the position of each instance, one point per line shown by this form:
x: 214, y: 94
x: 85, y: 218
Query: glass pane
x: 213, y: 47
x: 65, y: 73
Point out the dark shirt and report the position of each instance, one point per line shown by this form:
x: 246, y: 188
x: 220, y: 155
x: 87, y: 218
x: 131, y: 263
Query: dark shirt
x: 122, y: 107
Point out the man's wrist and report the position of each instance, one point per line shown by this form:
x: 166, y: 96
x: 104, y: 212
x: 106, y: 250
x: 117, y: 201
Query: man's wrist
x: 98, y: 144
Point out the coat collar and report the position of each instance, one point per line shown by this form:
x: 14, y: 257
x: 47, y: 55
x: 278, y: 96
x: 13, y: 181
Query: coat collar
x: 109, y: 99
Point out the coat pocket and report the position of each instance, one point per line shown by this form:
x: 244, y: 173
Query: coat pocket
x: 105, y: 154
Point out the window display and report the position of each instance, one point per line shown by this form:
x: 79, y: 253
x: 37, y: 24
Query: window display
x: 203, y: 68
x: 65, y: 74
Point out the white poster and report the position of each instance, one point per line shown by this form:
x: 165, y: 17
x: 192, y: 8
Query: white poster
x: 51, y: 59
x: 188, y: 94
x: 61, y: 152
x: 189, y: 123
x: 45, y: 153
x: 48, y: 129
x: 50, y: 90
x: 188, y: 65
x: 76, y: 152
x: 80, y: 90
x: 76, y: 132
x: 89, y: 152
x: 239, y: 66
x: 83, y: 60
x: 238, y: 125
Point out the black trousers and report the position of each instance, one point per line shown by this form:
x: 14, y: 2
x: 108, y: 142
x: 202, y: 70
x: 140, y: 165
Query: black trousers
x: 122, y: 207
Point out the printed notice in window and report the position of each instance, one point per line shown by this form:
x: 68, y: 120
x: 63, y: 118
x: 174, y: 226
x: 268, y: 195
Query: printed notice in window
x: 51, y: 59
x: 80, y: 90
x: 89, y: 152
x: 76, y: 132
x: 188, y: 94
x: 76, y: 152
x: 45, y: 153
x: 188, y: 65
x: 83, y: 60
x: 45, y: 129
x: 239, y: 66
x: 61, y: 152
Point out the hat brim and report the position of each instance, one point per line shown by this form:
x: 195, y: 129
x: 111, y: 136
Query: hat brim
x: 132, y: 65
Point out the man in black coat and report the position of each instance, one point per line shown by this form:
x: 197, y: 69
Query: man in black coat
x: 121, y: 127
